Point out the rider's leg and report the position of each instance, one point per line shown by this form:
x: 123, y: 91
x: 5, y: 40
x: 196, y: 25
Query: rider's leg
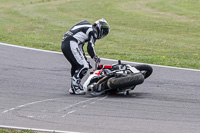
x: 79, y: 65
x: 76, y: 81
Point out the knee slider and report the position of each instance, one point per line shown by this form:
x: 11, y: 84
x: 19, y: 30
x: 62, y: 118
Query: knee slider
x: 81, y: 73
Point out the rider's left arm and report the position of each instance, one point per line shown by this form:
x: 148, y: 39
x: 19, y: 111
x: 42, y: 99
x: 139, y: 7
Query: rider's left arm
x: 91, y: 43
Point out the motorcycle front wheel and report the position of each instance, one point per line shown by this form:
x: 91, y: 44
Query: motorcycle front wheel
x: 145, y: 69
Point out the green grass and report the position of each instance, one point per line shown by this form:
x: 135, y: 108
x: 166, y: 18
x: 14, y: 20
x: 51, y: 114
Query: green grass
x: 165, y: 32
x: 16, y: 131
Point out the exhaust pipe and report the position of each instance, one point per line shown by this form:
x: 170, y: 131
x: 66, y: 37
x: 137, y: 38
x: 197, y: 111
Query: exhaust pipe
x: 90, y: 88
x: 93, y: 87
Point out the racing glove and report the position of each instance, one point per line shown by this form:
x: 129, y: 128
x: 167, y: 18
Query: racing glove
x: 96, y: 59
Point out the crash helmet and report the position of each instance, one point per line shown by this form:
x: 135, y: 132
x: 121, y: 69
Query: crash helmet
x: 103, y: 28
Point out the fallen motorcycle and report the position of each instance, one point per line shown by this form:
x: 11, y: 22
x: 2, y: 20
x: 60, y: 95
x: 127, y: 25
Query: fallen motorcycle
x: 116, y: 78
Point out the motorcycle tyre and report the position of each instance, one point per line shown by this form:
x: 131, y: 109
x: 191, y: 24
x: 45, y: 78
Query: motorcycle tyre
x: 125, y: 82
x: 146, y: 68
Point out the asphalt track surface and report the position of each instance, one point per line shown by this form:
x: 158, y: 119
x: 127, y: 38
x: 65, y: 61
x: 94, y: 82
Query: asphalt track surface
x: 34, y: 94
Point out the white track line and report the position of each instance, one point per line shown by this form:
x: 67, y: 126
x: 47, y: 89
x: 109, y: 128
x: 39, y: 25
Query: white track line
x: 79, y: 103
x: 75, y: 105
x: 55, y: 52
x: 71, y: 105
x: 36, y: 129
x: 34, y: 49
x: 70, y: 112
x: 99, y: 100
x: 27, y: 104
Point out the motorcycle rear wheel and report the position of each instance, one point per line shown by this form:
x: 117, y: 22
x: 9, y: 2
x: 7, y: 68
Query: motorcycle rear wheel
x: 125, y: 82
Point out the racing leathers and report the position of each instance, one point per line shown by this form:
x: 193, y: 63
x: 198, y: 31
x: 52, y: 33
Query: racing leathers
x: 72, y: 48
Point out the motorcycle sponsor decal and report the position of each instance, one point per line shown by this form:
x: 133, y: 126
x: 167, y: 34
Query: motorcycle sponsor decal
x: 107, y: 66
x: 98, y: 72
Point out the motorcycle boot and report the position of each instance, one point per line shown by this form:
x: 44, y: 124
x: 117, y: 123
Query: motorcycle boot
x: 76, y: 87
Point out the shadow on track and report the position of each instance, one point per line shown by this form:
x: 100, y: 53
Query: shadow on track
x: 134, y: 95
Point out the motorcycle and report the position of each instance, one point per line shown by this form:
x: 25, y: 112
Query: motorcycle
x: 116, y: 78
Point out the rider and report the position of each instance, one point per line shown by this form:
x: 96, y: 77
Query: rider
x: 72, y: 48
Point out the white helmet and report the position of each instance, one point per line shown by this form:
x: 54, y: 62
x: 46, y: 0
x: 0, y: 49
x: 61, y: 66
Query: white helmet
x: 103, y: 28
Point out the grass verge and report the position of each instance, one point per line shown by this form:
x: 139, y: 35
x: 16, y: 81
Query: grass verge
x: 17, y: 131
x: 149, y: 31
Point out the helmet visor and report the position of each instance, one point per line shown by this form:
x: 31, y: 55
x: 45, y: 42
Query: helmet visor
x: 104, y: 32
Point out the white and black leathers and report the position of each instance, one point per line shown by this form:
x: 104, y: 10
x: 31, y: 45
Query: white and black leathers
x: 72, y: 47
